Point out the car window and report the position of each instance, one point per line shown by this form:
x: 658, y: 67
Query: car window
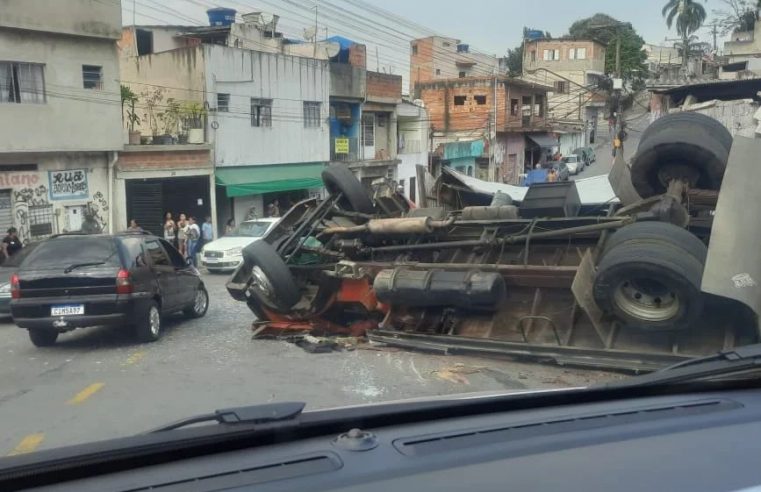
x: 174, y: 256
x: 68, y: 250
x: 133, y: 251
x: 156, y: 253
x: 251, y: 229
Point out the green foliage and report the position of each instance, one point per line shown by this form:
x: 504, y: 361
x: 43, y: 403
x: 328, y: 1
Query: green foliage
x: 607, y: 29
x: 737, y: 15
x: 129, y: 99
x: 688, y: 14
x: 515, y: 61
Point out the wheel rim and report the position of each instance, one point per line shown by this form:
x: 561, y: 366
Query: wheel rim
x: 647, y: 299
x: 261, y: 282
x: 154, y: 320
x: 201, y: 301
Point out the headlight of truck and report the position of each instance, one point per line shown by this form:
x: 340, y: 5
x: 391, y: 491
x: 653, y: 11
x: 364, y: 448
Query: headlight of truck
x: 233, y: 252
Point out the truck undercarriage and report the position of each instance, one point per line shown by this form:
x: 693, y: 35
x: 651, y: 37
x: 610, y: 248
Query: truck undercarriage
x: 631, y: 285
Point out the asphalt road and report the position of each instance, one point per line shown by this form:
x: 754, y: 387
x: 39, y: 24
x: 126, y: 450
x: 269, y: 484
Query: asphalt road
x: 99, y: 383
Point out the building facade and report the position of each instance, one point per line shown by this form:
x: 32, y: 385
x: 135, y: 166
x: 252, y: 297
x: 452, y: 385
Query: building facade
x: 437, y: 57
x: 61, y: 124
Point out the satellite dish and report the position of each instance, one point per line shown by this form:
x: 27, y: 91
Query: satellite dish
x: 310, y: 33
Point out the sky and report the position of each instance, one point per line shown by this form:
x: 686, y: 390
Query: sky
x: 489, y: 26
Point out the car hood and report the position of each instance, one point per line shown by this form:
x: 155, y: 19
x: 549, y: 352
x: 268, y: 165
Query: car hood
x: 225, y: 243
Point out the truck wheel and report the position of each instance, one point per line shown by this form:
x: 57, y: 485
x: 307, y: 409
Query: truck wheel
x: 658, y: 231
x: 148, y: 327
x: 650, y: 286
x: 271, y: 279
x: 699, y: 120
x: 681, y: 152
x: 339, y: 178
x: 43, y: 338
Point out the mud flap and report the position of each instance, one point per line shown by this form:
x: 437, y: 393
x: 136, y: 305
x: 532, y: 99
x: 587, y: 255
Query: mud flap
x: 620, y: 179
x: 733, y: 265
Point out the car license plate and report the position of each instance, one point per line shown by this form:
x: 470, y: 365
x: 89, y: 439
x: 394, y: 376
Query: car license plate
x: 67, y: 309
x: 211, y: 259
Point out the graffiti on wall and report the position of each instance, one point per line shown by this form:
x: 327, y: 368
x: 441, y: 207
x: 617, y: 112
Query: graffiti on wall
x: 98, y: 210
x: 33, y: 213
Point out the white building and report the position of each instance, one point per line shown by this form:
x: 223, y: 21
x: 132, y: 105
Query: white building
x: 60, y: 124
x: 414, y: 132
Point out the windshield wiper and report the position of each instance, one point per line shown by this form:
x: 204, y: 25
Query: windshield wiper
x: 255, y: 414
x: 731, y: 362
x: 70, y: 268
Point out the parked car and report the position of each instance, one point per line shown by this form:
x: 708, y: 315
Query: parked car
x: 591, y: 154
x: 574, y: 163
x: 584, y: 156
x: 129, y: 280
x: 562, y: 169
x: 224, y: 254
x: 8, y: 268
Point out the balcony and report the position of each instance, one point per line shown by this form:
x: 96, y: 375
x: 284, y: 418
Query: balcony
x: 344, y: 149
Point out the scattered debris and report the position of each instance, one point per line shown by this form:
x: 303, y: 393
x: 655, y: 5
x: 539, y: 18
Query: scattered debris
x: 455, y: 373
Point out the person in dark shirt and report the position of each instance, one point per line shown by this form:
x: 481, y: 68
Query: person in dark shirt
x: 11, y: 243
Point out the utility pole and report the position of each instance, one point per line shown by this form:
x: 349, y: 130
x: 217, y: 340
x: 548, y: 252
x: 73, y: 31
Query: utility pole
x: 618, y: 55
x: 493, y: 133
x: 714, y: 32
x: 377, y: 60
x: 315, y: 29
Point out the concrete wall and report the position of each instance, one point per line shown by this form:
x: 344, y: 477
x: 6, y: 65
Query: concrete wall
x: 71, y: 118
x: 509, y: 156
x: 347, y: 81
x: 32, y: 201
x: 288, y: 81
x: 91, y: 18
x: 744, y: 43
x: 737, y: 116
x: 437, y: 57
x: 594, y: 60
x: 177, y: 74
x: 164, y: 39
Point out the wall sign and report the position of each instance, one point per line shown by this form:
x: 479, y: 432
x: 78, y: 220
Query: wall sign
x: 70, y: 184
x: 342, y: 145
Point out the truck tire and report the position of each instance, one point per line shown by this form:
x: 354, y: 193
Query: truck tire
x: 658, y: 231
x: 696, y: 154
x: 708, y: 124
x: 338, y: 178
x: 43, y: 338
x: 650, y: 286
x: 272, y: 281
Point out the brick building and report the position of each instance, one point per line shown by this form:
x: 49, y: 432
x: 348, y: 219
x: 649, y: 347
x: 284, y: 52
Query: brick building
x: 437, y: 57
x: 462, y: 110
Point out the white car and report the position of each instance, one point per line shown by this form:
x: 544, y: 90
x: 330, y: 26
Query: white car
x: 225, y: 254
x: 573, y: 163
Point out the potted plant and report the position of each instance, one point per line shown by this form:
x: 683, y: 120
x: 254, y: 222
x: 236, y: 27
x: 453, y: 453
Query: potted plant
x: 129, y: 99
x: 152, y: 99
x: 192, y: 121
x: 169, y: 119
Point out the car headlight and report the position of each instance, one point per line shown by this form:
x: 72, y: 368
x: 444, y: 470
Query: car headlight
x: 5, y: 288
x: 233, y: 252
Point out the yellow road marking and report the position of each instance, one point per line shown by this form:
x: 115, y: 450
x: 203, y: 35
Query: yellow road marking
x: 85, y: 394
x: 28, y: 444
x: 134, y: 358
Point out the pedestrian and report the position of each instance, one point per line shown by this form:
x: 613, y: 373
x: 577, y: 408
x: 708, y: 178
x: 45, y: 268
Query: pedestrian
x: 182, y: 234
x: 11, y: 243
x: 170, y: 229
x: 230, y: 226
x: 207, y: 234
x: 193, y: 235
x: 133, y: 226
x: 552, y: 176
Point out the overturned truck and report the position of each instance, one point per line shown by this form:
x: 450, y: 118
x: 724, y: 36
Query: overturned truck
x: 665, y: 270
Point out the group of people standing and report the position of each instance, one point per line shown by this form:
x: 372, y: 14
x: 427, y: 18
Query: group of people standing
x: 186, y: 235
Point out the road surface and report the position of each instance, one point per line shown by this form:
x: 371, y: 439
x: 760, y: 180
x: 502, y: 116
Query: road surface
x: 99, y: 383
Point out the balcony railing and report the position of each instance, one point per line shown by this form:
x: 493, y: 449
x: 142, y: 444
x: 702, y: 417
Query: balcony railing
x: 344, y: 149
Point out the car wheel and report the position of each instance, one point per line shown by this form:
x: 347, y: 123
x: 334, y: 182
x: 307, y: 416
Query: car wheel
x: 681, y: 151
x: 339, y: 179
x: 650, y: 286
x: 200, y: 304
x: 148, y: 328
x: 658, y: 231
x: 699, y: 120
x: 271, y: 279
x: 43, y: 338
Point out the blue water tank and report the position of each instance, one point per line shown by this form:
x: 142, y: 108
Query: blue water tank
x: 533, y: 34
x: 221, y: 16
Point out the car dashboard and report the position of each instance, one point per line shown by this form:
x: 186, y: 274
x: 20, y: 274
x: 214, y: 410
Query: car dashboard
x: 691, y: 442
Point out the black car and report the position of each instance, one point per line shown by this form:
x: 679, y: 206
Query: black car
x: 75, y: 281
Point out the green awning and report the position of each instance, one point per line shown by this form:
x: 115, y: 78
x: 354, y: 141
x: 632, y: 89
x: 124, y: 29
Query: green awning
x: 255, y: 180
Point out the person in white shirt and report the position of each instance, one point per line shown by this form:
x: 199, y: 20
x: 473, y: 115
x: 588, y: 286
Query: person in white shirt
x: 193, y: 237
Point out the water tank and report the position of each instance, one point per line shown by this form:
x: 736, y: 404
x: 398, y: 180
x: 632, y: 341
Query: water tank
x: 221, y: 16
x: 534, y: 34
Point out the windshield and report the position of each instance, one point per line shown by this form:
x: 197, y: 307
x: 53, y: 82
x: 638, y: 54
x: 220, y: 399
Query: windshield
x: 209, y: 204
x: 250, y: 229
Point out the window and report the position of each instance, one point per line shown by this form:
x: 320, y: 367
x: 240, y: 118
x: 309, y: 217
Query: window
x: 368, y: 130
x: 223, y: 103
x: 538, y: 105
x: 261, y: 112
x: 413, y: 184
x: 561, y: 86
x: 577, y: 53
x: 438, y: 71
x: 459, y: 100
x: 8, y: 168
x: 551, y: 55
x: 68, y: 250
x: 414, y: 49
x: 156, y: 253
x: 533, y: 55
x: 174, y: 256
x: 461, y: 75
x: 311, y: 114
x: 21, y: 83
x: 144, y: 42
x: 92, y: 77
x: 480, y: 100
x: 513, y: 107
x: 445, y: 44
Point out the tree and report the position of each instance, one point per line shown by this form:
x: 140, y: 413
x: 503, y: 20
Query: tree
x: 689, y: 16
x: 514, y: 60
x: 608, y: 30
x: 737, y: 15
